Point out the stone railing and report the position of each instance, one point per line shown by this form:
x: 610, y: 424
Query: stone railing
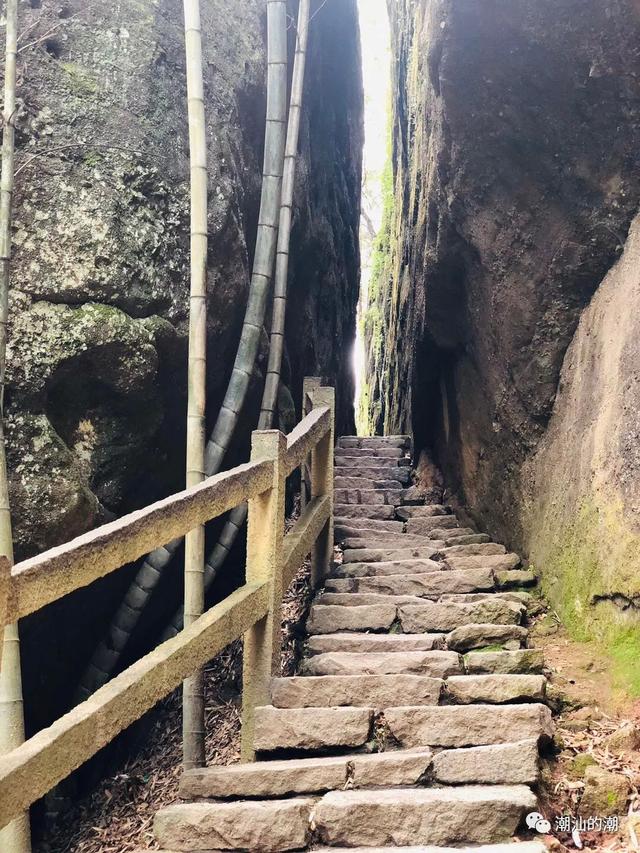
x: 253, y: 611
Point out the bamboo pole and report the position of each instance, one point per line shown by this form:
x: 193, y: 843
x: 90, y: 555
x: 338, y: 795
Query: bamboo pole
x: 237, y: 518
x: 108, y: 652
x: 193, y: 733
x: 16, y: 836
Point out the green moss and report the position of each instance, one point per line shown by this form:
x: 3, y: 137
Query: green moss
x: 80, y: 80
x: 579, y: 765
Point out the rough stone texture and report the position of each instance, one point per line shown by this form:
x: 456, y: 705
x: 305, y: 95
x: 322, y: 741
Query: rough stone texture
x: 426, y: 526
x: 369, y: 691
x: 371, y: 511
x: 499, y: 562
x: 515, y: 577
x: 310, y: 728
x: 516, y: 847
x: 495, y: 689
x: 581, y: 517
x: 373, y: 541
x: 605, y: 793
x: 327, y: 619
x: 367, y: 496
x: 392, y: 567
x: 269, y: 825
x: 504, y: 225
x: 465, y: 538
x: 432, y: 616
x: 471, y: 549
x: 475, y: 636
x: 431, y: 816
x: 428, y: 511
x: 97, y: 355
x: 424, y: 584
x: 359, y: 526
x: 468, y: 725
x: 437, y: 664
x: 359, y: 599
x: 373, y: 643
x: 522, y: 660
x: 505, y: 764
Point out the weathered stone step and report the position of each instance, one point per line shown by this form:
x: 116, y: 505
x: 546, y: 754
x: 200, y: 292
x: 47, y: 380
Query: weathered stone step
x: 265, y: 825
x: 516, y: 577
x: 361, y: 599
x: 306, y: 775
x: 366, y: 484
x: 344, y: 463
x: 521, y: 660
x: 448, y: 616
x: 500, y: 764
x: 499, y: 562
x: 436, y: 664
x: 371, y: 451
x: 468, y: 725
x: 374, y: 472
x: 424, y: 511
x: 426, y: 526
x: 462, y: 537
x: 378, y: 525
x: 311, y: 728
x: 494, y: 689
x: 379, y: 541
x: 317, y: 690
x: 327, y: 619
x: 374, y: 441
x: 354, y: 642
x: 368, y: 497
x: 366, y: 511
x: 480, y: 634
x: 384, y: 555
x: 390, y: 567
x: 422, y: 584
x: 437, y: 816
x: 474, y: 549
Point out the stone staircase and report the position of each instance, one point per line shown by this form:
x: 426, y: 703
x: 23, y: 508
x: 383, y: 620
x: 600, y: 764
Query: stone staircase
x: 417, y: 715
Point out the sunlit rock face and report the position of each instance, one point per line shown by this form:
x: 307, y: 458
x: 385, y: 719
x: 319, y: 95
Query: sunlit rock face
x: 515, y: 158
x: 96, y: 396
x: 97, y: 358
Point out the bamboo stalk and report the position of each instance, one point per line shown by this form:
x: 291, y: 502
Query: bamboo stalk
x: 237, y: 518
x: 108, y: 652
x: 15, y: 837
x: 193, y: 734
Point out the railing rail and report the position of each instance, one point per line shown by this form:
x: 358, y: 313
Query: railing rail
x: 32, y: 769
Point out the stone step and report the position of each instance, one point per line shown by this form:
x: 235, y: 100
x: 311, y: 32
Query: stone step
x: 384, y: 568
x: 437, y: 816
x: 478, y: 635
x: 467, y: 725
x: 362, y: 599
x: 327, y: 619
x: 385, y: 555
x: 498, y: 562
x: 421, y: 584
x: 368, y: 497
x: 367, y: 511
x: 426, y: 526
x: 306, y: 775
x: 500, y: 764
x: 380, y: 541
x: 494, y: 689
x: 515, y: 577
x: 507, y: 847
x: 520, y: 660
x: 311, y: 728
x: 374, y: 472
x: 460, y: 537
x: 448, y: 616
x: 374, y: 451
x: 354, y: 642
x: 314, y: 689
x: 436, y: 664
x: 474, y: 549
x: 378, y: 525
x: 265, y: 825
x: 367, y: 461
x: 374, y: 441
x: 366, y: 484
x: 424, y: 511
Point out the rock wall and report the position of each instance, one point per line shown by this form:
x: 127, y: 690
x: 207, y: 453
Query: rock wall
x: 515, y: 181
x: 96, y: 396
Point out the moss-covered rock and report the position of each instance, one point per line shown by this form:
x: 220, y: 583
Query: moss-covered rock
x: 605, y: 794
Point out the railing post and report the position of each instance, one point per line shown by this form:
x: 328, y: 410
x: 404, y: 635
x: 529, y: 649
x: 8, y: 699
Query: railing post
x: 322, y: 484
x: 265, y: 535
x: 309, y: 384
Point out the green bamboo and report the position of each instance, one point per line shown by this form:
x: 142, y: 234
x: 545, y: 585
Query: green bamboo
x: 108, y: 652
x: 193, y: 733
x: 237, y: 518
x: 15, y: 837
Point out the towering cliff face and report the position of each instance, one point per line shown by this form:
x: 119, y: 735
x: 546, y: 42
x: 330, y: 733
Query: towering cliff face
x: 96, y: 396
x: 97, y: 360
x: 515, y: 163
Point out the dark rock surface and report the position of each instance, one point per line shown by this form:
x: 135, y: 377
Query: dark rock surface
x: 515, y: 159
